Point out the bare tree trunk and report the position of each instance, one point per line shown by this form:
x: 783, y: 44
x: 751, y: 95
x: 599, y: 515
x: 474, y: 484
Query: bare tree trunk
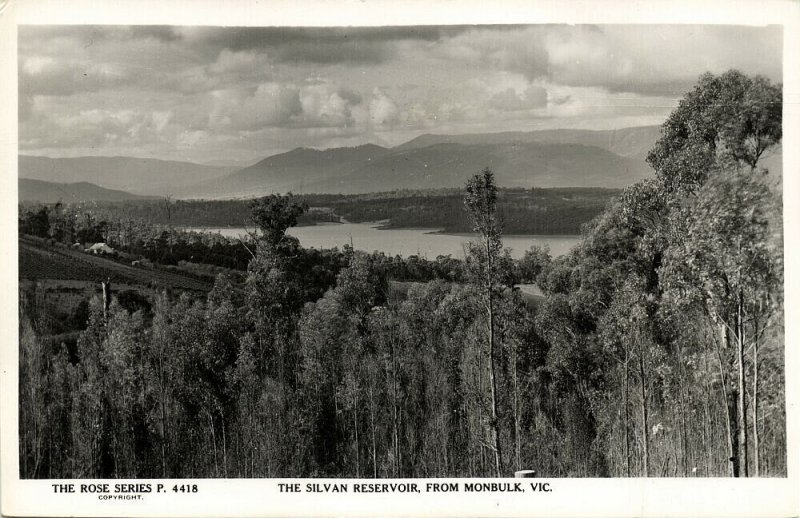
x: 518, y: 456
x: 372, y: 427
x: 733, y: 412
x: 627, y: 418
x: 224, y: 447
x: 684, y: 440
x: 729, y: 418
x: 395, y: 433
x: 481, y: 423
x: 707, y: 425
x: 214, y: 442
x: 163, y: 397
x: 741, y: 410
x: 106, y: 285
x: 492, y: 378
x: 755, y: 405
x: 645, y: 423
x: 355, y: 428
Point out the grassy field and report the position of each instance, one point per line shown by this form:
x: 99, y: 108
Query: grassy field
x: 56, y: 283
x: 41, y: 261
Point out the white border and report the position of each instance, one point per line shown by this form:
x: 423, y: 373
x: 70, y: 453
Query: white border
x: 570, y: 497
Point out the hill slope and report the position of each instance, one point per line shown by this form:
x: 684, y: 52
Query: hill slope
x: 297, y: 171
x: 515, y: 165
x: 38, y: 261
x: 50, y: 192
x: 135, y: 175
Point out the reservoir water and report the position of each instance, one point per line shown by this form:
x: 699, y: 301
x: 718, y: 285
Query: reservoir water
x: 405, y: 242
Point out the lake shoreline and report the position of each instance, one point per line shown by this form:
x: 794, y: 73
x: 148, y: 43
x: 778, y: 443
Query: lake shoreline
x: 422, y: 242
x: 381, y: 225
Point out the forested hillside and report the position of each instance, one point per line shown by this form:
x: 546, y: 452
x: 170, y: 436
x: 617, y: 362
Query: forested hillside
x: 656, y: 350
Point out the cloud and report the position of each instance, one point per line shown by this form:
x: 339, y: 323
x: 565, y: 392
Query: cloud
x: 282, y: 106
x: 314, y: 45
x: 326, y: 106
x: 648, y: 59
x: 271, y: 104
x: 237, y: 62
x: 211, y: 92
x: 665, y: 60
x: 517, y: 49
x: 382, y: 109
x: 47, y: 76
x: 509, y: 100
x: 343, y: 51
x: 94, y: 128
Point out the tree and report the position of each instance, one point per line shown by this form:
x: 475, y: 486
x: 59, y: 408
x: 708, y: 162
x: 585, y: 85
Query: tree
x: 709, y: 149
x: 333, y: 334
x: 627, y: 330
x: 275, y: 285
x: 32, y: 402
x: 726, y: 264
x: 274, y: 214
x: 490, y: 273
x: 535, y: 262
x: 725, y: 118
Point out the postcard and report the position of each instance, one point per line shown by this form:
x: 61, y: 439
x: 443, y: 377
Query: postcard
x: 411, y: 258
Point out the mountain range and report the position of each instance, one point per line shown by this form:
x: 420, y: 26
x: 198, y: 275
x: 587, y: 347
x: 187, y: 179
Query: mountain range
x: 550, y: 158
x: 371, y: 168
x: 547, y: 158
x: 627, y: 142
x: 51, y: 192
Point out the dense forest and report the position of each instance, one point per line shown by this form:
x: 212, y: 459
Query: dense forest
x: 657, y: 349
x: 523, y: 211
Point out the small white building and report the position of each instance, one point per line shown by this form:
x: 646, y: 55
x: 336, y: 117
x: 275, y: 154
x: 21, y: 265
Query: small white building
x: 100, y: 248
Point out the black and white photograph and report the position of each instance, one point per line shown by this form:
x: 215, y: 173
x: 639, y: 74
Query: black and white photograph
x: 434, y: 251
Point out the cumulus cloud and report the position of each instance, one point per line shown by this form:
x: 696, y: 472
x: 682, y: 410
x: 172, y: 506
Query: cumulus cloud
x: 282, y: 105
x: 327, y: 106
x: 382, y: 109
x: 271, y: 104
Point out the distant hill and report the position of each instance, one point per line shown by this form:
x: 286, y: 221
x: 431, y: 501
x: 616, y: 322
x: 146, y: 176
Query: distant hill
x: 372, y: 168
x: 628, y: 142
x: 135, y: 175
x: 514, y: 165
x: 50, y: 192
x: 230, y: 164
x: 299, y: 170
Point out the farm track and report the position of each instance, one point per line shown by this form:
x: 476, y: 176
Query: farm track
x: 39, y: 261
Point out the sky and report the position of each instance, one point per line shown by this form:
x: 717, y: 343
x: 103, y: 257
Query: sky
x: 207, y: 94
